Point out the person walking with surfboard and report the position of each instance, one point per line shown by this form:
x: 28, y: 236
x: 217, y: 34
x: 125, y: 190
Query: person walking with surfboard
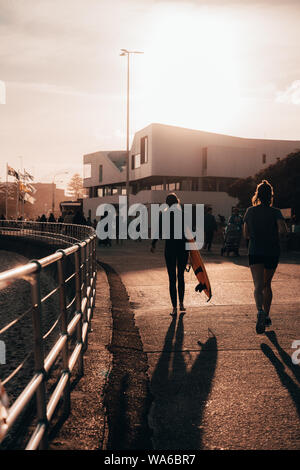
x: 176, y: 255
x: 262, y: 225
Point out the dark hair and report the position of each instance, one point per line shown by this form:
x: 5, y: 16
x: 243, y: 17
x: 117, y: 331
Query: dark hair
x: 172, y: 199
x: 264, y: 194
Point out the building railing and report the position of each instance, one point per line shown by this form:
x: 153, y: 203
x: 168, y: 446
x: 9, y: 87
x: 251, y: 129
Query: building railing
x: 74, y: 317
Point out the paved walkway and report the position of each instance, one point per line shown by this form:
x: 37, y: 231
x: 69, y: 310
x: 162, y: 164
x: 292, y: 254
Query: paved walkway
x: 205, y: 380
x: 215, y: 383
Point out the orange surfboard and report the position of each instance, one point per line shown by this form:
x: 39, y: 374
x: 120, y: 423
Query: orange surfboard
x: 200, y: 271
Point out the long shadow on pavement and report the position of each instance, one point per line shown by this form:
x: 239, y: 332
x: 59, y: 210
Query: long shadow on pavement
x: 180, y: 394
x: 292, y: 386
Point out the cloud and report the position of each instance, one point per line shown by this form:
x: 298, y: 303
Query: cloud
x: 291, y: 95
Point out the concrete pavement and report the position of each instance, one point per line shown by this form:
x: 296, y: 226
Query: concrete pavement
x: 214, y: 383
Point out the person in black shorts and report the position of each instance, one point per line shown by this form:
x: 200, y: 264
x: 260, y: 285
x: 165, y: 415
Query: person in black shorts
x: 262, y: 225
x: 176, y: 256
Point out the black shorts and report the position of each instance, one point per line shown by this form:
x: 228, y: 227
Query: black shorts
x: 269, y: 262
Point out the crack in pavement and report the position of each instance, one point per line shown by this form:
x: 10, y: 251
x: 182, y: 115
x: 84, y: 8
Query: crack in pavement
x: 127, y: 394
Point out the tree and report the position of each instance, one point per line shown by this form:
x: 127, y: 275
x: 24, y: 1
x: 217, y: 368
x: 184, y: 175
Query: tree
x: 11, y: 196
x: 284, y: 176
x: 75, y: 187
x: 242, y: 189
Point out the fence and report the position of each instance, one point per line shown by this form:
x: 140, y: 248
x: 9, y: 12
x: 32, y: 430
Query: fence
x: 74, y: 317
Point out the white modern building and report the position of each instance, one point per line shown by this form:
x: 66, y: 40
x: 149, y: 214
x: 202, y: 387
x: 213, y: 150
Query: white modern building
x: 199, y: 166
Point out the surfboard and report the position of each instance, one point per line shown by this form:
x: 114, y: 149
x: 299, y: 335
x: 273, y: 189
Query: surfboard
x: 4, y: 404
x: 198, y: 266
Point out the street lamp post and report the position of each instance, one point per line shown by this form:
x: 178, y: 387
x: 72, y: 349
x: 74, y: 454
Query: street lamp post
x: 127, y: 53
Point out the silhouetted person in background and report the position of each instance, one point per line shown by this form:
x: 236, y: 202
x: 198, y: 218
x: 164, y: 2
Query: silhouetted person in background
x: 210, y: 226
x: 51, y: 218
x: 79, y: 219
x: 236, y: 219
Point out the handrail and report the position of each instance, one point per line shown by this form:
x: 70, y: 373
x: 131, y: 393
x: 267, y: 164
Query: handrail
x: 80, y: 242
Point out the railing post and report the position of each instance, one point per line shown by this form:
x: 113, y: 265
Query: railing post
x: 94, y: 265
x: 39, y: 353
x: 89, y: 278
x: 84, y: 283
x: 64, y: 328
x: 78, y: 308
x: 90, y: 261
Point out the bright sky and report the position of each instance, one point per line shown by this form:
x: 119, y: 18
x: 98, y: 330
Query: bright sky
x: 223, y: 66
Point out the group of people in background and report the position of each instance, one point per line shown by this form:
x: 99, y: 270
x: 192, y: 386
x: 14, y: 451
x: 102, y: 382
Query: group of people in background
x: 70, y: 217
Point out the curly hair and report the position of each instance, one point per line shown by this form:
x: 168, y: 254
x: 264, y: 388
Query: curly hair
x: 264, y: 194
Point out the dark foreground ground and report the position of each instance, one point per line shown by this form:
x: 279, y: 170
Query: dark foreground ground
x: 204, y: 380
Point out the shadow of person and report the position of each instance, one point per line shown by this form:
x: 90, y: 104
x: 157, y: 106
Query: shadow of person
x: 286, y: 358
x: 285, y: 379
x: 180, y: 392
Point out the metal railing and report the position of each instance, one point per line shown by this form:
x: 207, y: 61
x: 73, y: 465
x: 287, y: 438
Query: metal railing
x: 73, y: 318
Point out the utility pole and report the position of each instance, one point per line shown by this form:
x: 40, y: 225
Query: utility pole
x: 127, y: 53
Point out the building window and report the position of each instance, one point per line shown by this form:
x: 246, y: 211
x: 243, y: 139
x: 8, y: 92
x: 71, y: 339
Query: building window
x: 135, y: 161
x: 100, y: 192
x: 100, y: 173
x: 186, y: 185
x: 87, y: 170
x: 144, y: 149
x: 264, y: 158
x: 195, y: 184
x: 204, y: 159
x: 209, y: 184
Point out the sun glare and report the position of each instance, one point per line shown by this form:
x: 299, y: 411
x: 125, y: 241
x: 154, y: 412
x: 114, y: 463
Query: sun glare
x: 191, y: 74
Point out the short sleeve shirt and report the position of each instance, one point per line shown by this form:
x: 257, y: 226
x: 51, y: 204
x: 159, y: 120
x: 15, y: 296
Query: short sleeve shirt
x: 262, y: 226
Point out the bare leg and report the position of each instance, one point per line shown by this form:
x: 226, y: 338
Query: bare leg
x: 268, y: 275
x: 257, y: 271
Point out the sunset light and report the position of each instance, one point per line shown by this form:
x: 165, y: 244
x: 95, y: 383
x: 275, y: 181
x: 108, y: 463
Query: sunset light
x: 149, y: 228
x: 191, y: 67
